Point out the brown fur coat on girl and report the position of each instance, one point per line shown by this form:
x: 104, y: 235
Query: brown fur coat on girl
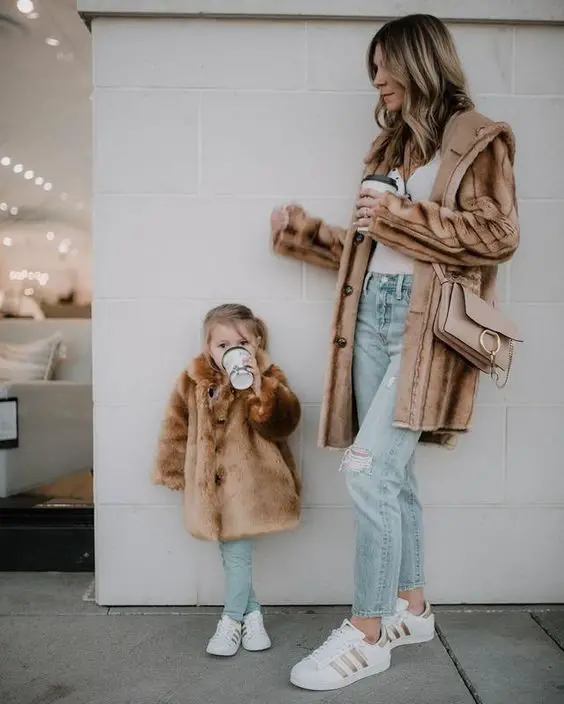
x: 227, y: 450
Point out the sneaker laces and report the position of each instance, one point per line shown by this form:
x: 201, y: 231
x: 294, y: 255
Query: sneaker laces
x: 226, y: 627
x: 331, y: 648
x: 253, y: 625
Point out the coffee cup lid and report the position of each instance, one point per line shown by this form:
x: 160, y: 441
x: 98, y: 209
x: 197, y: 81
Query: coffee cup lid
x: 381, y: 178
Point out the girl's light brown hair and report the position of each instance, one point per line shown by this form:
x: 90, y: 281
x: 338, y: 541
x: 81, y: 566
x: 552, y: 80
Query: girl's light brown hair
x: 419, y: 52
x: 235, y: 314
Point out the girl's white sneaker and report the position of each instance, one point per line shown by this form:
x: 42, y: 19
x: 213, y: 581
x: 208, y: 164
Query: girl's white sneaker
x: 255, y: 637
x: 226, y: 639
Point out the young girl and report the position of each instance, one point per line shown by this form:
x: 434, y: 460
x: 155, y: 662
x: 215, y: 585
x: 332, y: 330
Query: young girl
x: 227, y: 450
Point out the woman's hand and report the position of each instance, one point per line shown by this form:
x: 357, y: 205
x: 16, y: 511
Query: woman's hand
x: 279, y: 219
x: 367, y: 205
x: 252, y: 364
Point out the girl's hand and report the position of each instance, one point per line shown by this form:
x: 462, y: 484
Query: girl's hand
x: 367, y: 205
x: 252, y: 364
x: 279, y: 219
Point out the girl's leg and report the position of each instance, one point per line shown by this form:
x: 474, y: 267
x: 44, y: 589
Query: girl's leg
x: 237, y: 556
x: 252, y: 604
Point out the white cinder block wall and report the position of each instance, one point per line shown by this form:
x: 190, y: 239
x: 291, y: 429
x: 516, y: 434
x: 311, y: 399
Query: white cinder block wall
x: 201, y: 127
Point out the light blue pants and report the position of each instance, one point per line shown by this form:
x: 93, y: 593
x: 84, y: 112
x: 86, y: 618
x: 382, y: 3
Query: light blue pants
x: 237, y: 557
x: 379, y: 465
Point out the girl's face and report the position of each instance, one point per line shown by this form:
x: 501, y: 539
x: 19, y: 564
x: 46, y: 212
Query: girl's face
x: 223, y: 336
x: 391, y: 92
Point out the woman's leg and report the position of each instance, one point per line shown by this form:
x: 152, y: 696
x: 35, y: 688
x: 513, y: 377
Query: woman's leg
x: 370, y: 363
x: 377, y: 463
x: 412, y: 576
x: 376, y: 468
x: 237, y: 556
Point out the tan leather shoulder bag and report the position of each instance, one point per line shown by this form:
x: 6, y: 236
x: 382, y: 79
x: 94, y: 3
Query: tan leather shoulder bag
x: 475, y: 329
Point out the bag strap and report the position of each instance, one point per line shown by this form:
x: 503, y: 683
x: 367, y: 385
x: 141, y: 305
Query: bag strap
x: 439, y: 271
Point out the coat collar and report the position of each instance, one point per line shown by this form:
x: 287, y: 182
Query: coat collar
x: 466, y: 135
x: 204, y: 372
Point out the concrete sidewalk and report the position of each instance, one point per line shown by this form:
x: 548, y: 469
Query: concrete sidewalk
x: 56, y: 648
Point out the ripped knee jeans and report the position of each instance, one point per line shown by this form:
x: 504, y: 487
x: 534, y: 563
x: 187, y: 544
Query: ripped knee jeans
x: 379, y: 464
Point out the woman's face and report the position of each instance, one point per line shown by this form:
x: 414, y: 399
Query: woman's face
x: 391, y: 92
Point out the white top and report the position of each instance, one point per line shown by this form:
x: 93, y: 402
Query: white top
x: 384, y: 259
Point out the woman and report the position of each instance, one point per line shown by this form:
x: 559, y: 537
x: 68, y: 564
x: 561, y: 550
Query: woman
x: 387, y: 371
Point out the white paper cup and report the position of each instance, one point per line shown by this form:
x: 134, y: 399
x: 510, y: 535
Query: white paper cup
x: 380, y: 184
x: 240, y: 376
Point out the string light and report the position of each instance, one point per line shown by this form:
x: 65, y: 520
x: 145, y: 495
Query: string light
x: 14, y: 210
x: 51, y: 41
x: 29, y: 174
x: 25, y: 6
x: 7, y: 242
x: 50, y: 236
x: 3, y: 207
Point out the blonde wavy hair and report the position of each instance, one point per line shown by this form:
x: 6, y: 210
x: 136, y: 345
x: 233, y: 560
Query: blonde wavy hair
x: 419, y: 52
x: 234, y: 314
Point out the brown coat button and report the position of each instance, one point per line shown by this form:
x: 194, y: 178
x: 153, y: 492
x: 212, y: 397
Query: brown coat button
x: 358, y: 238
x: 347, y: 290
x: 341, y: 342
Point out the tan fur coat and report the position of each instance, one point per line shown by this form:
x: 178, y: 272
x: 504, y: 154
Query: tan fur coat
x: 470, y: 225
x: 227, y: 450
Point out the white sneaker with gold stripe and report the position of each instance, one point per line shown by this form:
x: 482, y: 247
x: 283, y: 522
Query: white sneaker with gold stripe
x: 405, y: 628
x: 255, y: 637
x: 226, y: 639
x: 344, y: 658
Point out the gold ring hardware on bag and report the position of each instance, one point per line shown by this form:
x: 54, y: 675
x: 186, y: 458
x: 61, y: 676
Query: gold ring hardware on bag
x: 492, y: 353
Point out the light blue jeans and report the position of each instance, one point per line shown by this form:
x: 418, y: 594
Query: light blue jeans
x: 237, y: 557
x: 379, y: 465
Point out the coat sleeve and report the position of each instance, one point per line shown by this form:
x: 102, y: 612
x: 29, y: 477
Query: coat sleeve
x: 483, y: 230
x: 171, y: 453
x: 276, y: 413
x: 310, y: 240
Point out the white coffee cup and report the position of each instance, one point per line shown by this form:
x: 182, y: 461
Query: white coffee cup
x: 234, y: 363
x: 380, y: 184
